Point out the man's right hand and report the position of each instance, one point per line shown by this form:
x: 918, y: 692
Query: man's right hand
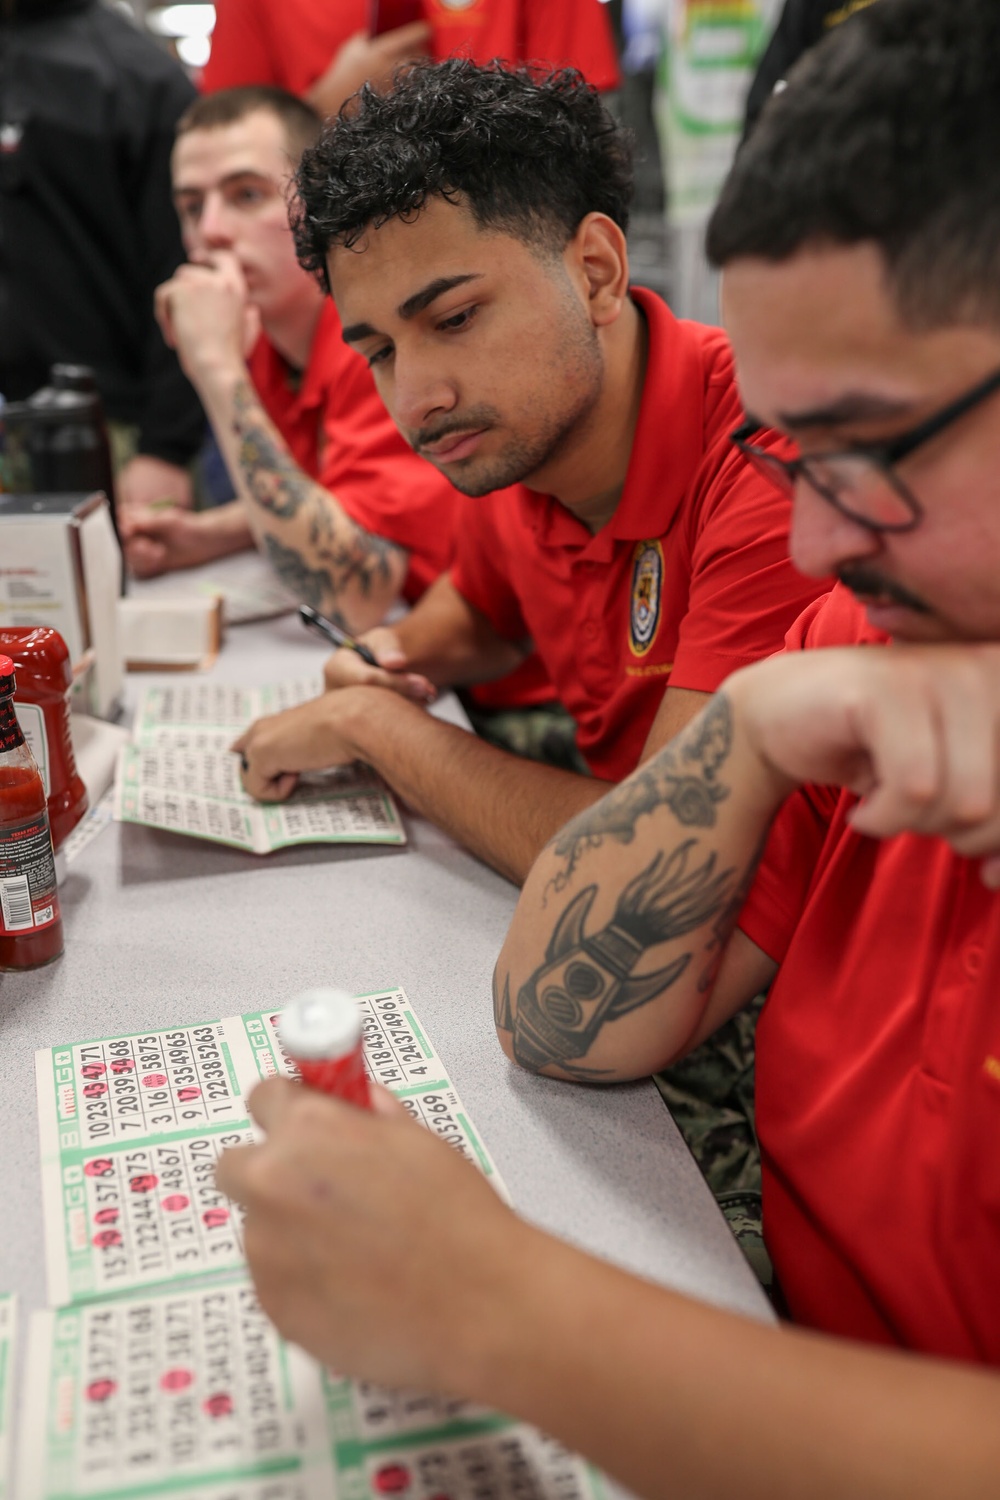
x: 162, y: 541
x: 345, y: 668
x: 913, y: 730
x: 367, y: 59
x: 204, y: 314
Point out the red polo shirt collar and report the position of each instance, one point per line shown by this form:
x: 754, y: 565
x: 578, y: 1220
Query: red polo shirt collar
x: 666, y: 451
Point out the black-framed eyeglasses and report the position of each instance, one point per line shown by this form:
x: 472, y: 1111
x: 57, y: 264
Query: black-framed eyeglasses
x: 861, y: 482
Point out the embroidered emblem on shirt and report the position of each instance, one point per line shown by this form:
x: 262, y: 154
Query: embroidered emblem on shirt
x: 647, y: 588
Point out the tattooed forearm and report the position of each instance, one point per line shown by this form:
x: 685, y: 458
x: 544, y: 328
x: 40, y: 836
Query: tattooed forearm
x: 355, y: 556
x: 334, y: 554
x: 683, y: 776
x: 311, y: 585
x: 587, y: 980
x: 273, y: 478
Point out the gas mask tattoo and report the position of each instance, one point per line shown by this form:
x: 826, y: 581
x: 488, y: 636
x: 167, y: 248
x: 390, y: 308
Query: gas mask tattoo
x: 587, y: 981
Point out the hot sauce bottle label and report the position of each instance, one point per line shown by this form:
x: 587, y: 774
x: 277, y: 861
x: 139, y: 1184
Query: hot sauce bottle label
x: 11, y: 734
x: 28, y: 899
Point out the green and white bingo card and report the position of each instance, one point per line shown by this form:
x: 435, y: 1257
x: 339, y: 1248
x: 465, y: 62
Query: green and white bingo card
x: 178, y: 1392
x: 191, y: 1393
x: 131, y: 1128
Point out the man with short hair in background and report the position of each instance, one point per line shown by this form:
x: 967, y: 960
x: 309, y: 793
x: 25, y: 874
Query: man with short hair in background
x: 349, y: 517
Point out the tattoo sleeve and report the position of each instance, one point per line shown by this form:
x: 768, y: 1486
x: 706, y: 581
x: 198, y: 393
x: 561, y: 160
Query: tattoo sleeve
x: 683, y: 777
x: 311, y: 585
x: 592, y: 977
x: 588, y: 980
x: 334, y: 554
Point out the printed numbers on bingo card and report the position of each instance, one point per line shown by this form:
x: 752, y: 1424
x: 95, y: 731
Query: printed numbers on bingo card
x: 135, y: 1086
x: 437, y: 1113
x: 155, y: 1212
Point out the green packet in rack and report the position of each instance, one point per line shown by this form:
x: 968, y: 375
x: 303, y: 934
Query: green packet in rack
x: 131, y: 1128
x: 190, y: 1392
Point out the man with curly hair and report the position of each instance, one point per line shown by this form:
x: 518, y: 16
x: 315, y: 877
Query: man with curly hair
x: 471, y: 227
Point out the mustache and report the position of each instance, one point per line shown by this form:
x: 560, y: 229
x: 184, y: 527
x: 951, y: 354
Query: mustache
x: 472, y: 420
x: 868, y: 583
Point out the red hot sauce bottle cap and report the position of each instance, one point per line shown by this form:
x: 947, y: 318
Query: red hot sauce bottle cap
x: 321, y: 1031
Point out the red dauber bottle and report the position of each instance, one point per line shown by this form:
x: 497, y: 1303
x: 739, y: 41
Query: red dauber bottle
x: 30, y: 925
x: 322, y: 1032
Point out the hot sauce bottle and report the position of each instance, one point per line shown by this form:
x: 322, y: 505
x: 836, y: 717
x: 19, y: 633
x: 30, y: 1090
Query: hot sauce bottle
x: 30, y: 925
x: 44, y: 678
x: 321, y: 1032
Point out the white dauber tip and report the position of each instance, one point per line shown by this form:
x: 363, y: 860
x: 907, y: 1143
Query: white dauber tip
x: 321, y: 1023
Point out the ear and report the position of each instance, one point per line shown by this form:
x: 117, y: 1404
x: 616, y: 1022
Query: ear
x: 597, y: 260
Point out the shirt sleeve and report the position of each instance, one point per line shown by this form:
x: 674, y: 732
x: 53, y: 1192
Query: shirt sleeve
x: 791, y: 855
x: 573, y: 33
x: 795, y: 843
x: 240, y: 53
x: 744, y: 592
x: 480, y: 569
x: 380, y: 482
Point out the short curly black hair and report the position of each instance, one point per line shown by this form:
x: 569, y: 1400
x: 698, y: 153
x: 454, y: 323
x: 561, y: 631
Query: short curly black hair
x: 530, y: 152
x: 887, y: 132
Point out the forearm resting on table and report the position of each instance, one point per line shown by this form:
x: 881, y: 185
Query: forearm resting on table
x: 323, y: 556
x: 160, y: 541
x: 452, y: 643
x: 675, y: 1398
x: 501, y: 806
x: 616, y: 962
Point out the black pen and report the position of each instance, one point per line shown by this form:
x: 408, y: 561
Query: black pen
x: 313, y: 620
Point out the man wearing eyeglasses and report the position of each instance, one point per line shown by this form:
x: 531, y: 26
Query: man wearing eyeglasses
x: 860, y: 235
x: 860, y: 238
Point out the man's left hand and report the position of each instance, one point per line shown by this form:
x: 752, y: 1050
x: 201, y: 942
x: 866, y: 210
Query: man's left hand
x: 314, y: 736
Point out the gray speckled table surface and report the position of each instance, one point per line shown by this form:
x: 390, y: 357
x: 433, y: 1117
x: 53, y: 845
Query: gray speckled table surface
x: 162, y: 929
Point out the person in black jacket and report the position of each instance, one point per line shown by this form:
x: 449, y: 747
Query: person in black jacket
x: 801, y: 25
x: 88, y: 107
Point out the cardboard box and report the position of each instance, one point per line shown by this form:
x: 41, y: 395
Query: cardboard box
x: 60, y: 565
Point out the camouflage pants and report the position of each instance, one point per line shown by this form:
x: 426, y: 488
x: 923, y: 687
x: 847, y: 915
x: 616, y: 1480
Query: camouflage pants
x: 711, y: 1097
x: 544, y: 732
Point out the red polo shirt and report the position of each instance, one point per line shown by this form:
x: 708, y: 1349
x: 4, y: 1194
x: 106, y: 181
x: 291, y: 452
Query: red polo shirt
x: 290, y: 44
x: 689, y: 580
x: 339, y: 432
x: 878, y: 1070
